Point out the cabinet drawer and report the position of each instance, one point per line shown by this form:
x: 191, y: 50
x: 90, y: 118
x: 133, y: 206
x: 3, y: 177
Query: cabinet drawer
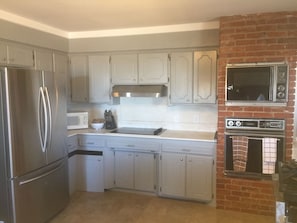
x: 71, y: 143
x: 202, y: 148
x: 87, y: 140
x: 134, y: 144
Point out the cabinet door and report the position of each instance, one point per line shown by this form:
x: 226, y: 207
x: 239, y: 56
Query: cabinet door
x: 20, y: 55
x: 108, y: 168
x: 90, y: 173
x: 124, y: 169
x: 124, y: 69
x: 153, y: 68
x: 199, y: 177
x: 3, y: 53
x: 205, y: 63
x: 44, y: 60
x: 99, y: 79
x: 173, y: 174
x: 181, y: 83
x: 60, y: 68
x: 145, y: 171
x: 79, y: 78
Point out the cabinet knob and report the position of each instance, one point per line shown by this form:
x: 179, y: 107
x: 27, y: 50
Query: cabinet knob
x: 181, y: 159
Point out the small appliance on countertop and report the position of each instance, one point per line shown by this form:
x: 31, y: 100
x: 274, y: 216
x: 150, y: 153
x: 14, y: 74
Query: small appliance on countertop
x: 77, y: 120
x: 109, y: 120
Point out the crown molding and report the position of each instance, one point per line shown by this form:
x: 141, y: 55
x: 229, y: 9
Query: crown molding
x: 107, y: 33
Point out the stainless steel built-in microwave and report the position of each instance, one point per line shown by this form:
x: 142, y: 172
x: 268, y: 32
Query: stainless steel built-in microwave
x: 257, y: 82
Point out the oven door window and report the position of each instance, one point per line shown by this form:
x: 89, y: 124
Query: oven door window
x: 252, y: 156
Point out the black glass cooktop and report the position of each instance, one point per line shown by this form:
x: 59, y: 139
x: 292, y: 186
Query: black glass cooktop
x: 139, y: 131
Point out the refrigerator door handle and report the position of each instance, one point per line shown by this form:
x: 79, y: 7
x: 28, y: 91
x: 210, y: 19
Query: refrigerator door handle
x: 40, y: 176
x: 43, y: 140
x: 49, y: 114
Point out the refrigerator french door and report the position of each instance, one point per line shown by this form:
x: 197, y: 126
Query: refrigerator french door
x: 33, y: 130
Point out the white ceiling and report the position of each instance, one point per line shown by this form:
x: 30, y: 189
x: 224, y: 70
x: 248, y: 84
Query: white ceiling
x: 66, y: 17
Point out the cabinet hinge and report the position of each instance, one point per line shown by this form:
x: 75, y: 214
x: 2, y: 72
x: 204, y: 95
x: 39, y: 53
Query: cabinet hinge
x: 154, y: 156
x: 109, y: 59
x: 160, y: 189
x: 169, y: 57
x: 213, y: 162
x: 212, y: 196
x: 155, y: 187
x: 160, y: 157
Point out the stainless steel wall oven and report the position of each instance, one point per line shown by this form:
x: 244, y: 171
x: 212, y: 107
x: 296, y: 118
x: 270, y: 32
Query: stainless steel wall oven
x: 253, y: 147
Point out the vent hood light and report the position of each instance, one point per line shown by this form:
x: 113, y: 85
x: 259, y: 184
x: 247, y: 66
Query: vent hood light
x: 155, y: 91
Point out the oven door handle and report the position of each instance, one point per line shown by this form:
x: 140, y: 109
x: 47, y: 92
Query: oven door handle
x: 255, y: 138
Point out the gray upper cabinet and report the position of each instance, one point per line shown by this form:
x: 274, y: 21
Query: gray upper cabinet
x: 153, y: 68
x: 181, y: 78
x: 44, y: 60
x: 79, y: 78
x: 60, y: 69
x: 3, y: 53
x: 99, y: 78
x: 205, y: 64
x: 193, y: 81
x: 16, y: 54
x: 124, y: 69
x: 90, y: 78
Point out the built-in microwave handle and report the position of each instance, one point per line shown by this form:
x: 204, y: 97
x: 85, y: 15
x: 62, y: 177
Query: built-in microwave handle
x: 230, y: 87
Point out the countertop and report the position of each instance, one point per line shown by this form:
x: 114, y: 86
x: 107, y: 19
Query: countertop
x: 166, y: 134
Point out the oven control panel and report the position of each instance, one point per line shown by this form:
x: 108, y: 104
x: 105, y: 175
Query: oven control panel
x: 255, y: 124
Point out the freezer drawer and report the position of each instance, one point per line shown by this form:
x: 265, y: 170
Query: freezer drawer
x: 37, y: 197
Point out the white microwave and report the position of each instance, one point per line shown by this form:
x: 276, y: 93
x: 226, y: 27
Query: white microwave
x: 77, y: 120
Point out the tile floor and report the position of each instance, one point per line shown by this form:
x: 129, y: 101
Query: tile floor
x: 122, y: 207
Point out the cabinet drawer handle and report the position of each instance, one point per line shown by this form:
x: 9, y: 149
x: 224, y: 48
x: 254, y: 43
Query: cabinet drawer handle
x: 186, y: 150
x: 90, y: 143
x: 130, y: 145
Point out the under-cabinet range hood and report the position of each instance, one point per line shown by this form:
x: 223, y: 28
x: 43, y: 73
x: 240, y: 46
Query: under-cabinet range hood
x: 155, y: 91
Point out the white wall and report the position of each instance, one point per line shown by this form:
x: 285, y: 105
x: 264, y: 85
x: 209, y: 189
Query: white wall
x: 155, y: 113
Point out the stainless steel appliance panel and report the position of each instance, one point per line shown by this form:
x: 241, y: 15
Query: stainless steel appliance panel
x: 5, y: 214
x: 55, y: 85
x: 21, y: 112
x: 39, y: 195
x: 33, y: 163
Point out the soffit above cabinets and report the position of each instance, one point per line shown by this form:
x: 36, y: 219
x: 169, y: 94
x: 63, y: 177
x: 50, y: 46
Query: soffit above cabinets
x: 80, y: 19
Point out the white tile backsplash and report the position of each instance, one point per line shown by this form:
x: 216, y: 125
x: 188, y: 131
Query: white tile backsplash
x: 155, y: 113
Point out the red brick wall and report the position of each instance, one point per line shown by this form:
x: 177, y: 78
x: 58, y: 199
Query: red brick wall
x: 267, y: 37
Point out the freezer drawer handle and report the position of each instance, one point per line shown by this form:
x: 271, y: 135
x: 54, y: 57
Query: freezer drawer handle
x: 39, y: 177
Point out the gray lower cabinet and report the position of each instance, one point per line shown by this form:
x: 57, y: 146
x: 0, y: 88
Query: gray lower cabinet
x: 181, y: 169
x: 135, y: 170
x: 85, y: 167
x: 187, y: 171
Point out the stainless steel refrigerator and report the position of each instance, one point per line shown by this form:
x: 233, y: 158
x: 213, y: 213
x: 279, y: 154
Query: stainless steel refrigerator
x: 33, y: 162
